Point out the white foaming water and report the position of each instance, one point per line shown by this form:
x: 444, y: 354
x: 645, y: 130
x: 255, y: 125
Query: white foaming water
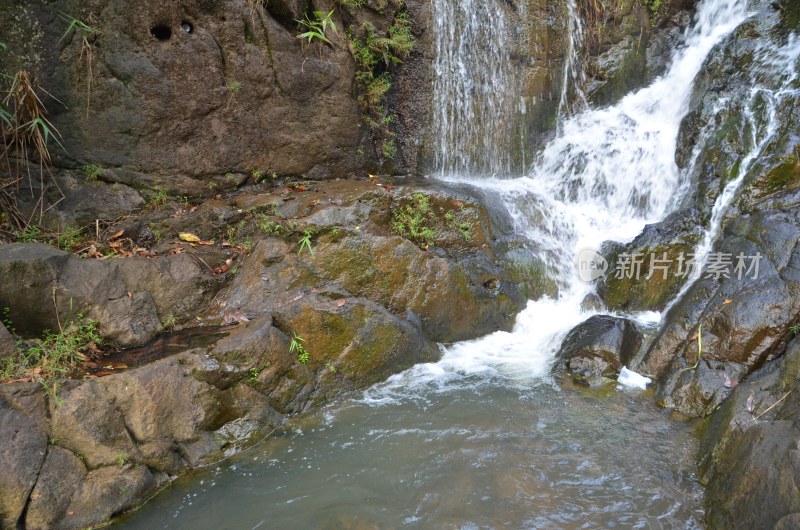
x: 607, y: 173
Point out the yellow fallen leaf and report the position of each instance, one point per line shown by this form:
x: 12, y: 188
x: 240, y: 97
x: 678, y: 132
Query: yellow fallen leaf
x: 371, y: 176
x: 727, y: 302
x: 190, y: 238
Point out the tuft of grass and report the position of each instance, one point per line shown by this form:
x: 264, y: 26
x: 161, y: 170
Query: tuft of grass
x: 54, y: 356
x: 88, y: 35
x: 317, y: 27
x: 234, y: 87
x: 159, y: 198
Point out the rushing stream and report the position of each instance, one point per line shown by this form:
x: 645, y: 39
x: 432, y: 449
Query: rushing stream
x: 485, y: 438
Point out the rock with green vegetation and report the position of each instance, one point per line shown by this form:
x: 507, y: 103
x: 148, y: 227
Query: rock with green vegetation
x: 651, y: 285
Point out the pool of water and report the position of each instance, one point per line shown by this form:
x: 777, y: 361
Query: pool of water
x: 479, y: 454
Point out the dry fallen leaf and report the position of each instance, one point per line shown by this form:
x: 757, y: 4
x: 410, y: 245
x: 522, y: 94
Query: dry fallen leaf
x: 189, y: 238
x: 340, y: 302
x: 118, y: 234
x: 727, y: 302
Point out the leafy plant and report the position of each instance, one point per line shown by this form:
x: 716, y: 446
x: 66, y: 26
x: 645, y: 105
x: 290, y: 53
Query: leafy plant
x: 374, y: 53
x: 795, y: 329
x: 305, y: 242
x: 170, y: 322
x: 92, y: 171
x: 412, y: 220
x: 254, y: 373
x: 296, y: 347
x: 122, y: 460
x: 69, y: 238
x: 234, y: 87
x: 270, y: 227
x: 31, y: 234
x: 317, y: 27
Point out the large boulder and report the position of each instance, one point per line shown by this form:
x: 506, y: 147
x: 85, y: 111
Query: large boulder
x: 598, y: 348
x: 749, y: 458
x: 129, y: 298
x: 24, y: 446
x: 650, y: 286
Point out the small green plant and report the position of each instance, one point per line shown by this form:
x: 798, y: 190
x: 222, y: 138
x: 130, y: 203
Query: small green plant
x: 122, y: 460
x: 795, y: 329
x: 257, y: 175
x: 92, y: 171
x: 31, y: 234
x: 270, y: 227
x: 296, y: 347
x: 170, y: 322
x: 234, y: 87
x: 305, y: 242
x: 412, y: 220
x: 158, y: 198
x: 69, y: 239
x: 654, y: 6
x: 6, y: 318
x: 389, y: 149
x: 254, y: 373
x: 317, y: 27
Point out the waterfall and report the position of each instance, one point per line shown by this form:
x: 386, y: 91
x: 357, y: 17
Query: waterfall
x: 477, y: 88
x: 606, y: 174
x: 573, y: 75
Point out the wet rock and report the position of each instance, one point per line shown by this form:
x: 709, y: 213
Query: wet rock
x: 749, y: 457
x: 697, y: 391
x: 235, y: 70
x: 745, y: 321
x: 62, y: 474
x: 8, y: 344
x: 599, y: 347
x: 24, y: 446
x: 89, y: 423
x: 661, y: 250
x: 128, y: 297
x: 105, y: 492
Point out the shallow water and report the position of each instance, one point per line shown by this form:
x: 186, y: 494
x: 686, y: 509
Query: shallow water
x: 482, y: 455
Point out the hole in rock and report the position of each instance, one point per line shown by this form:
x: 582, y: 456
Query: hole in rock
x: 161, y: 32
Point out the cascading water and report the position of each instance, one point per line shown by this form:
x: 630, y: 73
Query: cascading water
x: 476, y: 88
x: 606, y: 175
x: 482, y: 438
x: 573, y: 75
